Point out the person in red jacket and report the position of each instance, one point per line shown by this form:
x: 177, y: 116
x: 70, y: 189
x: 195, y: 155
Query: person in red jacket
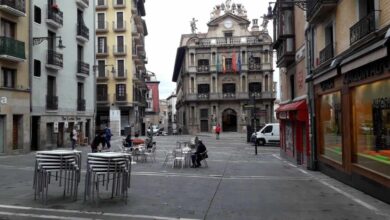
x: 217, y: 130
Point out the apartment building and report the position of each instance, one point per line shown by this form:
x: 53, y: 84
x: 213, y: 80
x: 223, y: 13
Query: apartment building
x: 292, y: 113
x: 171, y: 109
x: 348, y: 61
x: 14, y: 77
x: 62, y: 83
x: 120, y: 88
x: 152, y: 111
x: 219, y: 74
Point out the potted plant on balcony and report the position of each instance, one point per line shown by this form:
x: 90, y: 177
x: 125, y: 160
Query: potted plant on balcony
x: 55, y: 7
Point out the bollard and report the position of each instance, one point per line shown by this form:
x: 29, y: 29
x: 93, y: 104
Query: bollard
x: 256, y: 147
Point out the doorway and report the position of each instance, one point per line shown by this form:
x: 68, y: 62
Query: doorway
x: 35, y: 132
x: 60, y: 137
x: 204, y: 126
x: 2, y: 131
x: 229, y: 120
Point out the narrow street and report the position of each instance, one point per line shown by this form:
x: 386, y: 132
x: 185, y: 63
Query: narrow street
x: 236, y: 185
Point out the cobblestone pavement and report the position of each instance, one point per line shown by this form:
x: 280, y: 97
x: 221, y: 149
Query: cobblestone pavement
x: 236, y: 185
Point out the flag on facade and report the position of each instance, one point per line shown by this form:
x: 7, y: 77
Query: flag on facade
x: 218, y: 64
x: 223, y: 64
x: 239, y: 63
x: 234, y: 62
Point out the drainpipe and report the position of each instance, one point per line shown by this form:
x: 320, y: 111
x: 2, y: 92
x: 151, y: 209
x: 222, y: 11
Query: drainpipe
x: 313, y: 165
x: 93, y: 123
x: 30, y: 60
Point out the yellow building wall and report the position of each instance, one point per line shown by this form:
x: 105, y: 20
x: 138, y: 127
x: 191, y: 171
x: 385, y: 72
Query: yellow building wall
x: 111, y: 42
x: 384, y: 19
x: 299, y: 22
x: 22, y: 24
x: 346, y: 17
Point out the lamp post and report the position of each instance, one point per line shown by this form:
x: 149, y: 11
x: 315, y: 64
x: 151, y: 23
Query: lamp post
x: 253, y: 121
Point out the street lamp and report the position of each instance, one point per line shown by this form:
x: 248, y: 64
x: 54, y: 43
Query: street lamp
x: 253, y: 121
x: 38, y: 40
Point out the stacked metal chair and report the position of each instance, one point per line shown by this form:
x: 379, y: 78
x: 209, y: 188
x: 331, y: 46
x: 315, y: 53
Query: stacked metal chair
x: 61, y: 165
x: 109, y: 170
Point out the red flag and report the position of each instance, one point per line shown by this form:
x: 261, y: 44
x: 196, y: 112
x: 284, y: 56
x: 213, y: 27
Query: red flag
x: 234, y: 62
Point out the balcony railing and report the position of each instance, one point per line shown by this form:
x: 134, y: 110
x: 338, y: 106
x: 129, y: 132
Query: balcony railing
x: 101, y: 26
x: 119, y: 26
x: 203, y: 96
x: 229, y: 96
x: 318, y: 7
x: 101, y: 5
x: 363, y: 27
x: 204, y: 68
x: 121, y: 74
x: 228, y: 41
x: 51, y: 102
x: 254, y: 66
x: 83, y: 31
x: 10, y: 47
x: 120, y: 98
x: 119, y: 4
x: 54, y: 58
x: 15, y: 7
x: 326, y: 53
x: 102, y: 97
x: 82, y: 67
x: 120, y: 50
x: 56, y: 15
x: 83, y: 3
x: 102, y: 50
x: 80, y: 104
x: 102, y: 74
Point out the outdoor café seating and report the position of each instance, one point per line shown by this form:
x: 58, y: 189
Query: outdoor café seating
x: 110, y: 171
x: 62, y: 166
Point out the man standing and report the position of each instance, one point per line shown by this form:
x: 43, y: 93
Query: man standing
x: 107, y: 135
x: 217, y: 131
x: 73, y: 138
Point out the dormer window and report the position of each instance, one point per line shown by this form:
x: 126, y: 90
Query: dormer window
x: 228, y: 34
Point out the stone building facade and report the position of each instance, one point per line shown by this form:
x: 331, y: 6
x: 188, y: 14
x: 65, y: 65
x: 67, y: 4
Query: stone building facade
x: 224, y: 76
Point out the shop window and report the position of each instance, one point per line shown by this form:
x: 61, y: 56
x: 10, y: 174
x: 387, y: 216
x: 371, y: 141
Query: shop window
x: 371, y: 119
x: 330, y: 122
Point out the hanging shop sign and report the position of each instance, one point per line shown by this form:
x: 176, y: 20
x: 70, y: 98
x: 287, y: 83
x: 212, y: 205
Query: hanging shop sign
x: 66, y: 124
x: 55, y: 127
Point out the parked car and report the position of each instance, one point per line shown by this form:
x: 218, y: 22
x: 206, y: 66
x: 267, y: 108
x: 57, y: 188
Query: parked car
x: 154, y: 130
x: 269, y: 134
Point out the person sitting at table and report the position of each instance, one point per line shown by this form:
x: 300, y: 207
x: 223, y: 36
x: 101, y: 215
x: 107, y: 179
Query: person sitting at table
x: 199, y: 154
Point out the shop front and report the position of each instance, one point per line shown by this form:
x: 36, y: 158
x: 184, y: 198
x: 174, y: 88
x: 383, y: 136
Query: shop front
x: 353, y: 122
x: 294, y: 138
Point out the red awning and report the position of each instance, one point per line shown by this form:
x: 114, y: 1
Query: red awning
x: 295, y: 106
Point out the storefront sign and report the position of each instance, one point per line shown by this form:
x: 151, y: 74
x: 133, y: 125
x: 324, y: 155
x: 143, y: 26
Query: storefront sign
x: 327, y: 84
x: 367, y: 71
x: 3, y: 100
x: 381, y: 103
x: 283, y: 115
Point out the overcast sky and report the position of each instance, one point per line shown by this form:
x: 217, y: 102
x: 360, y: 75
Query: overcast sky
x: 168, y: 20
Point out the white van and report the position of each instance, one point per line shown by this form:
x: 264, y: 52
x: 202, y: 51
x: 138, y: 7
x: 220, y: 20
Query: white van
x: 269, y: 134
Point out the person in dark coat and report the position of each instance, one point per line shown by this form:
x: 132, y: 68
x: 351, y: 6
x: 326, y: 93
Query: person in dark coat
x: 199, y: 154
x: 99, y: 139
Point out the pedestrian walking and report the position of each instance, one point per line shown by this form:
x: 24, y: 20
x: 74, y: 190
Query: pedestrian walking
x: 217, y: 131
x: 73, y: 138
x: 107, y: 135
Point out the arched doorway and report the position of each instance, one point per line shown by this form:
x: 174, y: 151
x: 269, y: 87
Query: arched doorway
x: 229, y: 120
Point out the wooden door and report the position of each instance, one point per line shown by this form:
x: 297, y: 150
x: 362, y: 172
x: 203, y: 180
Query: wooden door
x: 2, y: 136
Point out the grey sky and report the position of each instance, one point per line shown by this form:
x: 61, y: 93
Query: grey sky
x: 168, y: 20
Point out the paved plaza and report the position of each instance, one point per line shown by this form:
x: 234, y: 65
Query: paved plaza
x: 236, y: 185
